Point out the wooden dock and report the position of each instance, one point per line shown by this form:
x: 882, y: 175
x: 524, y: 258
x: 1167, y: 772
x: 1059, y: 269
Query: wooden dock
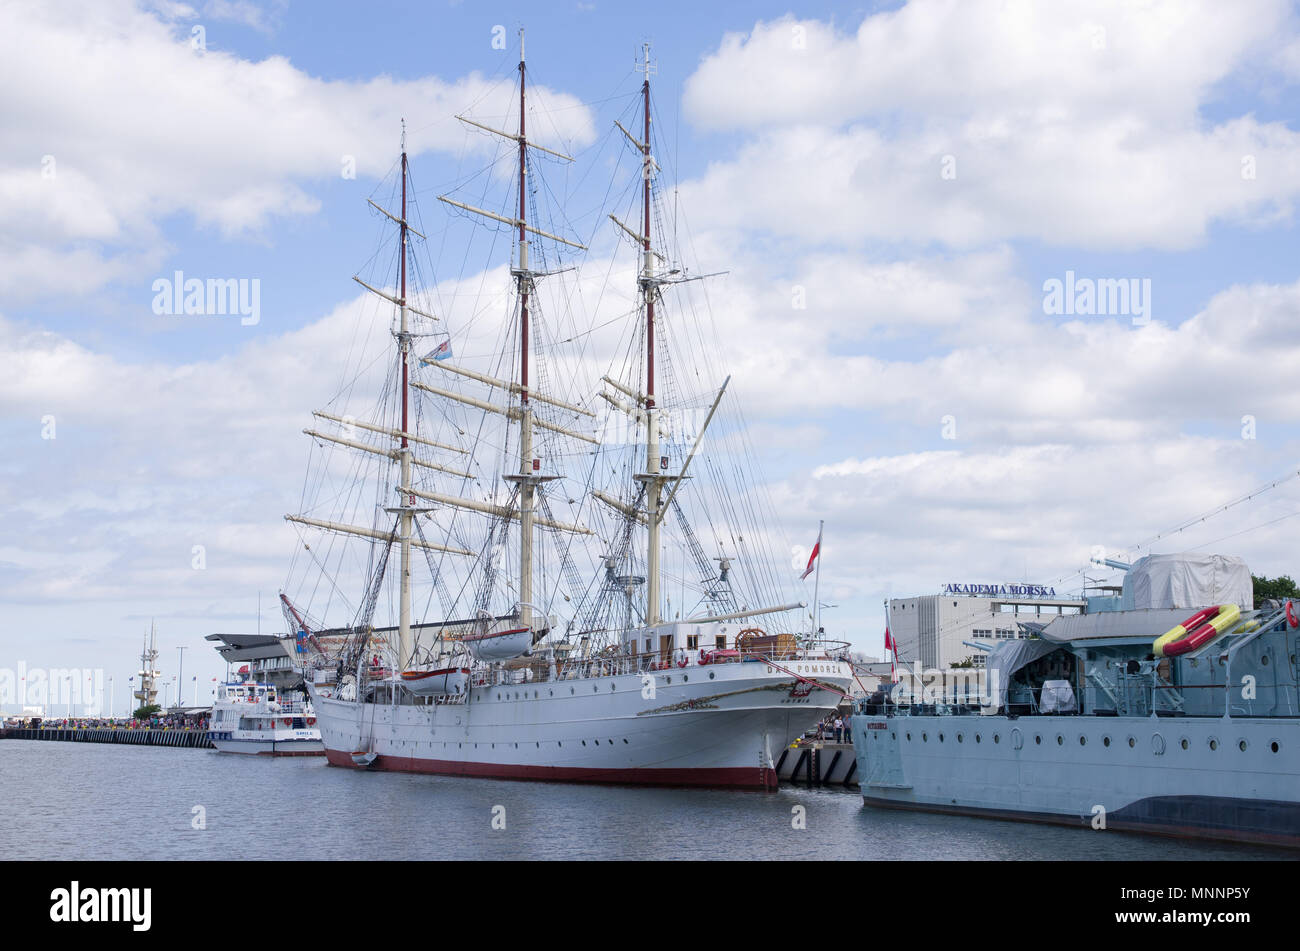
x: 194, y: 739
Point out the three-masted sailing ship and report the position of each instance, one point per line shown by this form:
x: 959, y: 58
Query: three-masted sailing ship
x: 535, y: 671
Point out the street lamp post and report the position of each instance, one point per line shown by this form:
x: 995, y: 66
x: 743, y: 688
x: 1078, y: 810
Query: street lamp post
x: 180, y: 682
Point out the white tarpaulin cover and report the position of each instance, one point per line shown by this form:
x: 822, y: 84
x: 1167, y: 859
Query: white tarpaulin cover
x: 1057, y: 697
x: 1006, y: 659
x: 1187, y: 580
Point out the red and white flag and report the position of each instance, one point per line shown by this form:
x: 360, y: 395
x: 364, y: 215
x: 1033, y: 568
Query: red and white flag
x: 817, y: 549
x: 892, y: 646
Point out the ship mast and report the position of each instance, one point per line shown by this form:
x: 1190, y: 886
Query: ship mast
x: 405, y: 642
x: 528, y: 478
x: 529, y: 475
x: 653, y: 476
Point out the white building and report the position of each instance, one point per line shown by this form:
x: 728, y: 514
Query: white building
x: 930, y: 629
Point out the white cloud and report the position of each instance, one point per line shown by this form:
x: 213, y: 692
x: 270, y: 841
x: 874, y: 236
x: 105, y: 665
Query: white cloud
x: 974, y: 122
x: 139, y: 126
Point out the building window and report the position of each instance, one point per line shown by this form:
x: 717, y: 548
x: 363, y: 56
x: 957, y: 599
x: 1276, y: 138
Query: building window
x: 692, y: 641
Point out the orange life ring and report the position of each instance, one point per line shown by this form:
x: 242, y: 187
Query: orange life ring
x: 1290, y: 614
x: 682, y: 661
x: 288, y: 721
x: 311, y: 721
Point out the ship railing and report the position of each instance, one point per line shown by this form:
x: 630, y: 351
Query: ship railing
x: 609, y: 663
x: 617, y: 663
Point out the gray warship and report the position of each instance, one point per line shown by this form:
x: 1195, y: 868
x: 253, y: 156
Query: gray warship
x: 1173, y: 710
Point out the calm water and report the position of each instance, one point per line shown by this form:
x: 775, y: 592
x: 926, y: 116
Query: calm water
x: 89, y: 801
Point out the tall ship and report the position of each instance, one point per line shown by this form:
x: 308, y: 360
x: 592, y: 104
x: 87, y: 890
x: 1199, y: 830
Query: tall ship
x: 1176, y: 713
x: 548, y: 494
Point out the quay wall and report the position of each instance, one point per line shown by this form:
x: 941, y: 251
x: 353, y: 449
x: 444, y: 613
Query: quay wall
x: 195, y: 739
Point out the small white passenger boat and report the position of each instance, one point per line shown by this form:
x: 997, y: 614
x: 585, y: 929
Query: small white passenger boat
x: 250, y: 717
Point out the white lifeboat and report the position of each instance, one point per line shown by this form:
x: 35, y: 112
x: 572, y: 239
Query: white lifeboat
x: 444, y: 682
x: 499, y: 645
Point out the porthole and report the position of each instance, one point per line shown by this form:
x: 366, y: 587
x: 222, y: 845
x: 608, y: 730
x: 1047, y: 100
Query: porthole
x: 625, y: 739
x: 959, y: 738
x: 573, y: 690
x: 1183, y: 743
x: 1038, y: 740
x: 909, y: 737
x: 1060, y: 740
x: 611, y: 686
x: 1132, y: 742
x: 1264, y: 660
x: 685, y: 678
x: 940, y: 737
x: 997, y: 737
x: 594, y: 688
x: 978, y: 738
x: 1083, y: 740
x: 584, y: 742
x: 712, y: 675
x: 1214, y: 744
x: 894, y: 736
x: 1241, y: 745
x: 1274, y: 746
x: 1105, y: 741
x: 925, y: 737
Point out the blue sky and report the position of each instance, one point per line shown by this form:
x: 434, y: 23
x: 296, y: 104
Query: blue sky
x: 809, y: 143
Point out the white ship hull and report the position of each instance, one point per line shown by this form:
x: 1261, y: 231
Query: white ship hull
x: 267, y: 746
x: 712, y: 725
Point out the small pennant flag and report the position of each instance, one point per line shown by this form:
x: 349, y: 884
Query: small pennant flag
x: 889, y: 641
x: 440, y: 352
x: 817, y: 548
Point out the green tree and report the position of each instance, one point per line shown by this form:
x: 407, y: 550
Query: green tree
x: 1280, y: 587
x: 146, y: 711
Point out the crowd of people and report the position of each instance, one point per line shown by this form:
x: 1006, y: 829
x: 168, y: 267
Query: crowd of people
x: 170, y: 721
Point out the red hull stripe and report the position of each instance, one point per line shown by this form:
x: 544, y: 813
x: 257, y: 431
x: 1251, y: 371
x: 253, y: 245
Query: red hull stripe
x: 745, y: 777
